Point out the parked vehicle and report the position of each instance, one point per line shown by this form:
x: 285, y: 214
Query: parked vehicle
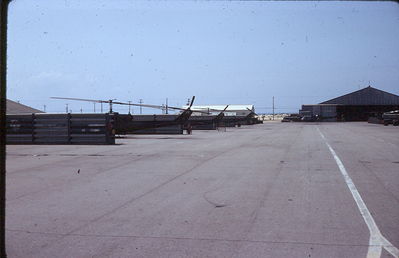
x: 391, y: 117
x: 292, y: 118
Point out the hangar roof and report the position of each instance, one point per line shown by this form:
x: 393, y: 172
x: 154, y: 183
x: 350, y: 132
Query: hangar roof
x: 366, y: 96
x: 14, y: 108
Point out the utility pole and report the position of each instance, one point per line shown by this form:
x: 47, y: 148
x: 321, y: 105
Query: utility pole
x: 110, y: 106
x: 3, y: 104
x: 129, y: 106
x: 166, y: 105
x: 81, y: 110
x: 101, y: 107
x: 94, y: 107
x: 273, y: 108
x: 141, y: 108
x: 66, y: 108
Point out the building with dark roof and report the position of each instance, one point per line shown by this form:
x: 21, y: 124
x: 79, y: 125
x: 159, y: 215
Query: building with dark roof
x: 356, y: 106
x: 15, y: 108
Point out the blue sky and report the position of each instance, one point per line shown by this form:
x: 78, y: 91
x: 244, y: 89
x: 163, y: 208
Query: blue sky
x: 220, y: 51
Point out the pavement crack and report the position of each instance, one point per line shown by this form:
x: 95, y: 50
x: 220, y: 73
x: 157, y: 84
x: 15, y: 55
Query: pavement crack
x: 128, y: 202
x: 269, y: 188
x: 55, y: 185
x: 190, y: 238
x: 217, y: 205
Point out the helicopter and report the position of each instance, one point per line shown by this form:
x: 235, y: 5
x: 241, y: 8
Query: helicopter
x: 203, y: 122
x: 208, y: 122
x: 127, y: 123
x: 237, y: 121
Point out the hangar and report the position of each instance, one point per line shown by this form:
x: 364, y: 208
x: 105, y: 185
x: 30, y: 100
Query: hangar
x: 356, y: 106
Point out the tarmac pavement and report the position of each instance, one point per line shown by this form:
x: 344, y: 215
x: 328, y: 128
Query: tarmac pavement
x: 271, y: 190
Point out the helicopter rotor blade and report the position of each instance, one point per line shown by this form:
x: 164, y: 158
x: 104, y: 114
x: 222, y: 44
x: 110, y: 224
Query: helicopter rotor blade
x: 252, y: 112
x: 147, y: 105
x: 192, y: 102
x: 156, y: 106
x: 88, y: 100
x: 211, y: 109
x: 131, y: 104
x: 137, y: 105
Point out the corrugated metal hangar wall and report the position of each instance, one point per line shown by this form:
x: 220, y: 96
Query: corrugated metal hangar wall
x: 355, y: 106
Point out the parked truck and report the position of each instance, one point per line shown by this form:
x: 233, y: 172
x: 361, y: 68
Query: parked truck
x: 391, y: 117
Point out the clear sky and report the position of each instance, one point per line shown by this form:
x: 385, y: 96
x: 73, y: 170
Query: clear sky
x: 222, y: 52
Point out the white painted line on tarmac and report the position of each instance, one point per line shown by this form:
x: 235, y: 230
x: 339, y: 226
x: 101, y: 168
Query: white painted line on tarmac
x: 377, y: 241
